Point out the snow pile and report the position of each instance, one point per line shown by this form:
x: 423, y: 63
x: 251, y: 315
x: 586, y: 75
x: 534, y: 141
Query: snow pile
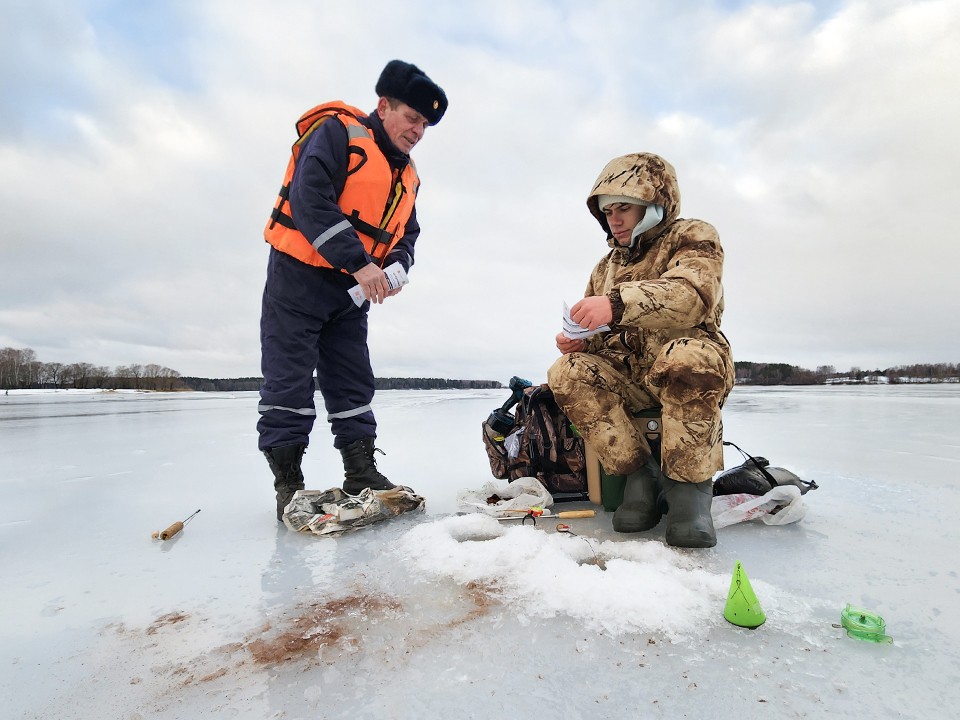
x: 608, y: 586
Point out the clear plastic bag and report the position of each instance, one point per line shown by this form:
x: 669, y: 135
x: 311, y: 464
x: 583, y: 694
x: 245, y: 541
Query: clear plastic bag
x: 781, y: 505
x: 521, y: 494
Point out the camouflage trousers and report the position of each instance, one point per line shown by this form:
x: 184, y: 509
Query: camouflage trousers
x: 689, y: 382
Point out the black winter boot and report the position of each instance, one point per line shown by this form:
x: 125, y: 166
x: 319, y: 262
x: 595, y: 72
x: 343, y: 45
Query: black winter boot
x: 285, y: 464
x: 689, y: 523
x: 360, y: 467
x: 640, y: 509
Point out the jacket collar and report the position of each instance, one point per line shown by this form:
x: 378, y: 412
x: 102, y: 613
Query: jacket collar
x: 394, y: 155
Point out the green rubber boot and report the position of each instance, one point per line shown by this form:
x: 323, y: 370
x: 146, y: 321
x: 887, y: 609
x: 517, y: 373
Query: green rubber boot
x: 689, y: 523
x: 287, y: 476
x: 640, y: 509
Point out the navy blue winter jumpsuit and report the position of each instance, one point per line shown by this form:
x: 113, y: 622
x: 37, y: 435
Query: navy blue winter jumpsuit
x: 309, y: 322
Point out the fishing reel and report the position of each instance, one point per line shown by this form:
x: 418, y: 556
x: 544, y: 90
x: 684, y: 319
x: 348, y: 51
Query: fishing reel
x: 502, y: 420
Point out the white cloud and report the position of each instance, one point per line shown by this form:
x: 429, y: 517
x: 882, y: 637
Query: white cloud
x: 820, y: 142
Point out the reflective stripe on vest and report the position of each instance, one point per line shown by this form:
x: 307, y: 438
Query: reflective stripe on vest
x: 376, y: 201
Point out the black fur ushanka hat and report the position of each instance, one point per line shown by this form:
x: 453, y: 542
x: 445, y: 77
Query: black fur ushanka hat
x: 409, y: 84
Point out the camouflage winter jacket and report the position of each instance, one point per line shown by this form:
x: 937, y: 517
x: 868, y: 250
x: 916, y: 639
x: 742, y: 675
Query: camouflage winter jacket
x: 668, y: 285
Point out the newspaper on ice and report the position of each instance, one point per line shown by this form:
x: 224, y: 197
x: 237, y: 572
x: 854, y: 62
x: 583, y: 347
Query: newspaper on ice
x: 333, y: 512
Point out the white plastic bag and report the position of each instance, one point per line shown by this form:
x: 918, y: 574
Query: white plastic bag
x: 782, y: 505
x: 521, y: 494
x: 512, y: 443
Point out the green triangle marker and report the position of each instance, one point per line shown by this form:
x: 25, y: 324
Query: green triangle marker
x: 742, y: 607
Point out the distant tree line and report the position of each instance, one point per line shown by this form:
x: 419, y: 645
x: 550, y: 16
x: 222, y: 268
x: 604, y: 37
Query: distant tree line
x: 220, y: 384
x: 20, y: 369
x: 939, y: 372
x: 750, y: 373
x: 253, y: 383
x: 434, y: 384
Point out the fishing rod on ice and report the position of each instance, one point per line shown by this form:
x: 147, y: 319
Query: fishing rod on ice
x: 566, y: 530
x: 536, y: 511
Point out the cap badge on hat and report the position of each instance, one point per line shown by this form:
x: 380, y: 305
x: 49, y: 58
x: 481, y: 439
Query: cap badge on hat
x: 436, y: 104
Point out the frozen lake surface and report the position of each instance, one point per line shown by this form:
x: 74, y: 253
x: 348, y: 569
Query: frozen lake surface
x: 438, y: 615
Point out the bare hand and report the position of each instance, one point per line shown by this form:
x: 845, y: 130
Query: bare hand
x: 373, y: 282
x: 568, y: 345
x: 592, y: 312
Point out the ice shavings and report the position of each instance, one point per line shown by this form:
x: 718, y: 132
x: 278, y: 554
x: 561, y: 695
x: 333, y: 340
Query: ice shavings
x: 647, y: 587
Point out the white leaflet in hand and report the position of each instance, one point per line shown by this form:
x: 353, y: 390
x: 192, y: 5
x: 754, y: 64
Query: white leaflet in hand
x: 574, y: 331
x: 396, y: 276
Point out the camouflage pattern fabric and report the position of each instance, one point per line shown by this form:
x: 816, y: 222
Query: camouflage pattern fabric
x: 665, y: 348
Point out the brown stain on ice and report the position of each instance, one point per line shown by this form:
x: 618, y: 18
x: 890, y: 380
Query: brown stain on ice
x: 171, y: 618
x: 214, y: 675
x: 318, y: 625
x: 482, y: 597
x: 304, y: 634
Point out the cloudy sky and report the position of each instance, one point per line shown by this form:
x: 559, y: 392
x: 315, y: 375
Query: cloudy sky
x: 142, y: 144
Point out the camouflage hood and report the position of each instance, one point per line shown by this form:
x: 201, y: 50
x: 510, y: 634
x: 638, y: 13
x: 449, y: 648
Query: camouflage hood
x: 644, y: 176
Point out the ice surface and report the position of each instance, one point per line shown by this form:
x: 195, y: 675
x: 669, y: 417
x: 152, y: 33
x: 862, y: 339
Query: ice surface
x: 439, y: 615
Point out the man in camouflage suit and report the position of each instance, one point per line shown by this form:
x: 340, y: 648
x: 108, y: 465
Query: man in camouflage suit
x: 659, y: 291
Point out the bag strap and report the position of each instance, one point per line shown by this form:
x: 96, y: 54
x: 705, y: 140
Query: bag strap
x: 811, y: 484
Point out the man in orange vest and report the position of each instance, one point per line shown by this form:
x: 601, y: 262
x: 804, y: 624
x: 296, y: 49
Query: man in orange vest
x: 345, y: 212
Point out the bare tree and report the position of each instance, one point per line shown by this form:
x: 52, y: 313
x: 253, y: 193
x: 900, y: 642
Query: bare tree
x: 80, y: 373
x: 33, y: 372
x: 122, y: 376
x: 51, y: 374
x: 152, y: 376
x: 99, y: 374
x: 169, y: 379
x: 17, y: 367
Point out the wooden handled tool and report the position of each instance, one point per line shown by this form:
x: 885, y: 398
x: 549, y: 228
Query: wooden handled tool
x: 173, y: 529
x: 564, y: 515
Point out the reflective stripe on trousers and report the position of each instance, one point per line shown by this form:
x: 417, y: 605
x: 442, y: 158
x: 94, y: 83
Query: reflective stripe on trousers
x: 310, y: 324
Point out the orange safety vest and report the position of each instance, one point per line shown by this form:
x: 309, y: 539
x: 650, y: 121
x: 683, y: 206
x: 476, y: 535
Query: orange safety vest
x: 376, y: 200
